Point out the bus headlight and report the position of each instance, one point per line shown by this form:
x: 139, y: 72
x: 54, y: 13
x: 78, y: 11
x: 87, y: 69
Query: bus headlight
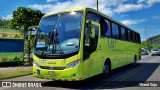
x: 35, y: 64
x: 73, y: 64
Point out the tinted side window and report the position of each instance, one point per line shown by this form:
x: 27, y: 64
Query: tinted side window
x: 129, y: 35
x: 115, y: 32
x: 123, y: 35
x: 136, y: 37
x: 139, y: 38
x: 93, y: 17
x: 105, y: 28
x: 126, y: 32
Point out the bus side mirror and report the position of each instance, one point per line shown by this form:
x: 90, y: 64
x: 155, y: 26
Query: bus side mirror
x: 32, y: 28
x: 87, y: 37
x: 92, y: 32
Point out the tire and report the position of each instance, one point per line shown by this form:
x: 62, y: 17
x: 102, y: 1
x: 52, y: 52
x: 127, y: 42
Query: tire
x: 106, y: 69
x: 135, y: 60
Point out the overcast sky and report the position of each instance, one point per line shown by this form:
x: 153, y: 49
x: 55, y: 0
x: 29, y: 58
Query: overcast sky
x: 135, y: 13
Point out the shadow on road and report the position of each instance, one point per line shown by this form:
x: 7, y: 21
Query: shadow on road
x: 14, y: 64
x: 8, y: 64
x: 127, y: 76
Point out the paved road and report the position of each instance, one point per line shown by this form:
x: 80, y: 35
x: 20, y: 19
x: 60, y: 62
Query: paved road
x: 148, y: 69
x: 11, y: 67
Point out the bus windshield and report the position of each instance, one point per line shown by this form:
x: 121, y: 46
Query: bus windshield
x: 59, y: 33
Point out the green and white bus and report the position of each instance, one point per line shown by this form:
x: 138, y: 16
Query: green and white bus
x: 11, y: 46
x: 80, y: 43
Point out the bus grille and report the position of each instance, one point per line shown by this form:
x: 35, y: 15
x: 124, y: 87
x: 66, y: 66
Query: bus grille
x: 52, y: 68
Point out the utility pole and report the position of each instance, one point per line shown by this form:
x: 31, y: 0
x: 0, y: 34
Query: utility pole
x: 97, y: 5
x: 29, y: 48
x: 145, y: 37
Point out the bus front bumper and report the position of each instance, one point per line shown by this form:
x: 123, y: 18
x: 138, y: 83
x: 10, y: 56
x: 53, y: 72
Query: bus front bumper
x: 71, y: 74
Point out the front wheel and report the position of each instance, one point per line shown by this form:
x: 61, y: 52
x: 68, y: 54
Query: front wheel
x: 106, y: 70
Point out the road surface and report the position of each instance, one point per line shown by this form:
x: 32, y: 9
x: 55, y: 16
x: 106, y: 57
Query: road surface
x: 125, y: 78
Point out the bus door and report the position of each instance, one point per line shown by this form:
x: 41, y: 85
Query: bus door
x: 92, y: 62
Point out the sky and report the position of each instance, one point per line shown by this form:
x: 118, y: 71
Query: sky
x: 137, y: 14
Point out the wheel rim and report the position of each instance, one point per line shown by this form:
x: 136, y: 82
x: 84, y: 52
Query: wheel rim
x: 106, y: 69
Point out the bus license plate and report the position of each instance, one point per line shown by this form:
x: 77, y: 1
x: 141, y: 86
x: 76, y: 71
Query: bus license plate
x: 51, y: 73
x: 38, y: 72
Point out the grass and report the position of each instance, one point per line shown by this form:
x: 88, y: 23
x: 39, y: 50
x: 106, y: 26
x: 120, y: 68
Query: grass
x: 15, y: 74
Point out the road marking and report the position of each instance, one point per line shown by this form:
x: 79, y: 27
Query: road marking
x: 128, y: 74
x: 124, y: 75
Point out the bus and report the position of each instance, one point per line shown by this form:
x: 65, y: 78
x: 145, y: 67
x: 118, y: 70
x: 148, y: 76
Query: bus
x: 76, y: 44
x: 11, y: 46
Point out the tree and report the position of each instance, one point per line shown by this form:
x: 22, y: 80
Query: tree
x: 4, y: 23
x: 25, y: 17
x: 146, y: 44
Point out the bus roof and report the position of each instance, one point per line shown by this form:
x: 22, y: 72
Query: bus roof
x: 92, y: 10
x: 69, y: 10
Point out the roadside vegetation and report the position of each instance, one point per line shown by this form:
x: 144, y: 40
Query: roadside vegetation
x: 15, y: 74
x: 152, y: 42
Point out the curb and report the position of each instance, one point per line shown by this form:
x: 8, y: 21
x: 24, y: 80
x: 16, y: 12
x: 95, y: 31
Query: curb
x: 15, y: 76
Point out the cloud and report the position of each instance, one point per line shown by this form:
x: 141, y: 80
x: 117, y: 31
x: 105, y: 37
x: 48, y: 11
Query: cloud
x: 123, y: 15
x: 151, y: 2
x: 8, y: 17
x: 109, y: 7
x: 41, y: 7
x: 141, y: 1
x: 156, y: 17
x: 105, y: 6
x: 52, y: 0
x: 131, y: 22
x: 129, y: 7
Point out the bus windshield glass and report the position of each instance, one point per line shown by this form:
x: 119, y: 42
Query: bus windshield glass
x: 59, y: 33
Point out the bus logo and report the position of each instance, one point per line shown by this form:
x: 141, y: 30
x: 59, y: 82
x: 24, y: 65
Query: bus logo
x: 111, y: 43
x: 42, y: 61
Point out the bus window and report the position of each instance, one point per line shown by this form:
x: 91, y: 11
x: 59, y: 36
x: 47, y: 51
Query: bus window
x: 123, y: 35
x: 135, y: 37
x: 139, y: 39
x: 119, y: 30
x: 129, y: 35
x: 115, y: 33
x: 126, y: 32
x: 105, y: 28
x: 93, y: 17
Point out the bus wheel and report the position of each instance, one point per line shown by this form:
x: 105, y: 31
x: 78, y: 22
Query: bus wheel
x: 106, y: 69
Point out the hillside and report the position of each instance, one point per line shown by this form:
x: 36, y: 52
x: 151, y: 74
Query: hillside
x: 154, y: 41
